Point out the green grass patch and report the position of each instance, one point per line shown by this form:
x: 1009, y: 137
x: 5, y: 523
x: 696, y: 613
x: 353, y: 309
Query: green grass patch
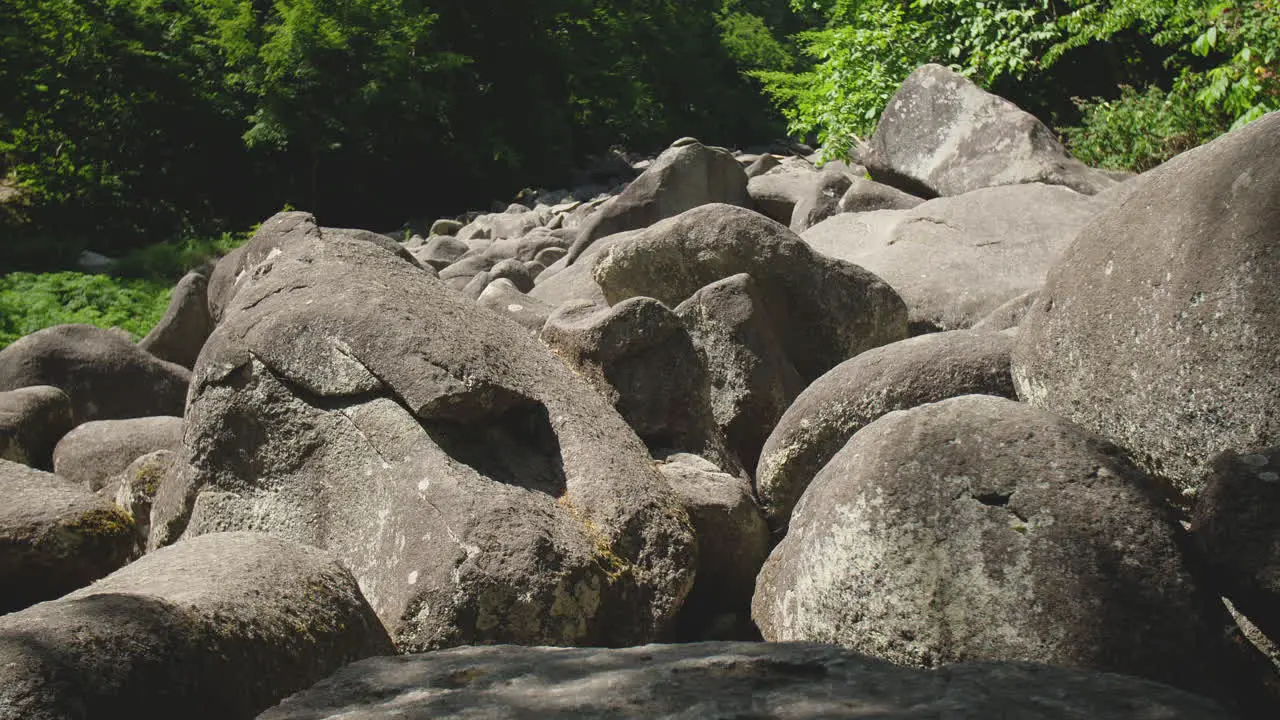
x: 31, y: 302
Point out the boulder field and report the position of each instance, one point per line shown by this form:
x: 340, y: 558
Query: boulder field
x: 968, y: 430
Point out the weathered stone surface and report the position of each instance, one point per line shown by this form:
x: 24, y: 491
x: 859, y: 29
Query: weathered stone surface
x: 684, y: 177
x: 479, y: 491
x: 223, y: 282
x: 866, y: 195
x: 514, y: 222
x: 514, y: 271
x: 562, y: 283
x: 723, y: 681
x: 752, y: 378
x: 824, y: 310
x: 106, y: 376
x: 941, y: 134
x: 135, y: 489
x: 821, y: 200
x: 1010, y: 314
x: 1159, y: 328
x: 733, y: 542
x: 778, y: 192
x: 221, y: 626
x: 985, y: 529
x: 956, y: 259
x: 55, y: 536
x: 185, y: 325
x: 1236, y: 527
x: 502, y: 297
x: 95, y: 451
x: 441, y: 251
x: 638, y: 355
x: 445, y: 227
x: 853, y: 394
x: 32, y: 421
x: 762, y: 165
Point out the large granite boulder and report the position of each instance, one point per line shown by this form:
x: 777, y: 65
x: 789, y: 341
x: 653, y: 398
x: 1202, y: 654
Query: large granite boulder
x: 979, y: 528
x: 824, y: 310
x: 55, y: 537
x: 724, y: 681
x: 186, y: 323
x: 1159, y: 327
x: 479, y: 491
x: 95, y: 451
x: 941, y: 134
x: 219, y: 628
x: 683, y: 177
x: 853, y: 394
x: 1236, y: 527
x: 752, y: 379
x: 956, y: 259
x: 639, y: 356
x: 106, y: 376
x: 32, y: 421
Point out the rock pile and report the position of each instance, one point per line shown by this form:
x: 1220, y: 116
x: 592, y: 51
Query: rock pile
x: 971, y: 431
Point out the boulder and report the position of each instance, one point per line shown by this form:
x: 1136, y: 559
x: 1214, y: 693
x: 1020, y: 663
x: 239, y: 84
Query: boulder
x: 135, y: 489
x: 762, y: 165
x: 638, y: 355
x: 95, y: 451
x: 855, y: 393
x: 723, y: 681
x: 220, y: 627
x: 866, y: 195
x: 1159, y: 327
x: 777, y: 192
x: 751, y: 376
x: 1236, y: 527
x: 502, y: 297
x: 185, y: 325
x: 821, y: 199
x: 684, y: 177
x: 441, y: 251
x: 445, y: 227
x: 562, y: 283
x: 106, y: 376
x: 824, y: 310
x: 956, y: 259
x: 1010, y: 314
x: 55, y: 537
x: 515, y: 272
x: 223, y: 282
x: 941, y: 134
x: 985, y: 529
x: 514, y: 222
x: 733, y: 542
x: 479, y: 491
x: 32, y: 421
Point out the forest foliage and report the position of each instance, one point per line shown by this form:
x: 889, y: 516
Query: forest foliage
x: 128, y: 122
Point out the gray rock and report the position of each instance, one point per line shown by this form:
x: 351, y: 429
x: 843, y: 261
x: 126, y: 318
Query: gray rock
x: 55, y: 536
x: 185, y: 325
x: 956, y: 259
x: 1236, y: 527
x: 941, y: 134
x: 32, y: 421
x: 638, y: 355
x: 502, y: 297
x: 866, y: 195
x: 824, y: 310
x: 220, y: 627
x: 106, y: 376
x: 473, y: 288
x: 776, y: 193
x: 95, y: 451
x: 686, y: 176
x: 762, y: 165
x: 753, y: 381
x: 1010, y: 314
x: 135, y: 489
x: 852, y: 395
x: 479, y: 491
x: 514, y: 271
x: 1159, y: 328
x: 441, y: 251
x: 223, y: 282
x: 561, y: 283
x: 733, y: 542
x: 821, y: 199
x: 516, y: 221
x: 985, y: 529
x: 445, y: 227
x: 723, y: 681
x: 467, y: 266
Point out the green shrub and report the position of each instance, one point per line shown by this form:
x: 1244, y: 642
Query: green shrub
x: 31, y: 302
x: 1142, y: 129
